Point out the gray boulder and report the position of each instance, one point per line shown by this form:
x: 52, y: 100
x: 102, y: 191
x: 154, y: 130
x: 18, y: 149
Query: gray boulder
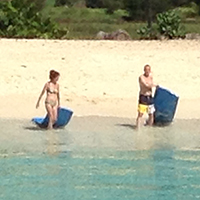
x: 117, y: 35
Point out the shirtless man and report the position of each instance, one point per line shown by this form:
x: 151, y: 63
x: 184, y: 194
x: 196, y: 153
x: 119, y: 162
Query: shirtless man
x: 146, y: 103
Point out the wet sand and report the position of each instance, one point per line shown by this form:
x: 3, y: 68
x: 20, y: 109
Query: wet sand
x: 21, y: 137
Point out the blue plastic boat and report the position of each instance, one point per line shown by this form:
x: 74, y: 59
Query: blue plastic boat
x: 165, y: 102
x: 64, y: 116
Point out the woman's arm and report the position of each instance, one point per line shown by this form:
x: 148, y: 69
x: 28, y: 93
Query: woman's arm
x: 58, y: 96
x: 42, y: 93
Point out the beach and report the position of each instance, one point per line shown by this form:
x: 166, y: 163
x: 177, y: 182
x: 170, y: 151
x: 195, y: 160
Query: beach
x: 99, y: 154
x: 97, y: 77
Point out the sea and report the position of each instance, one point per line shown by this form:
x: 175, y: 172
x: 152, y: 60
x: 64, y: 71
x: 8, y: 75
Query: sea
x: 101, y: 158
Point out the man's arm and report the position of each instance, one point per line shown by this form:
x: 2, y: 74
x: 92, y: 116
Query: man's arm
x: 144, y: 83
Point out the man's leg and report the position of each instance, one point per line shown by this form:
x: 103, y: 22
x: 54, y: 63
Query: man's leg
x: 151, y: 110
x: 141, y: 110
x: 138, y: 120
x: 150, y: 120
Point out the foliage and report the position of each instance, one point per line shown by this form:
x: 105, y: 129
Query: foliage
x: 70, y: 3
x: 21, y: 19
x: 39, y: 4
x: 147, y: 33
x: 84, y: 15
x: 138, y: 9
x: 111, y: 6
x: 169, y: 24
x: 64, y: 2
x: 85, y: 23
x: 94, y: 3
x: 192, y: 10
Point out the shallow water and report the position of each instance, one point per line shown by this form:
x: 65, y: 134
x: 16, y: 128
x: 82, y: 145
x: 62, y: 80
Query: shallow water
x: 100, y: 158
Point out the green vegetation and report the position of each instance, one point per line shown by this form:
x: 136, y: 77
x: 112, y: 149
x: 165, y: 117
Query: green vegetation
x: 77, y: 21
x: 85, y: 23
x: 148, y: 33
x: 169, y: 25
x: 190, y: 11
x: 22, y: 19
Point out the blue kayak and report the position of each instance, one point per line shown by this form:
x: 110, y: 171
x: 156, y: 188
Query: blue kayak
x: 165, y: 102
x: 64, y: 116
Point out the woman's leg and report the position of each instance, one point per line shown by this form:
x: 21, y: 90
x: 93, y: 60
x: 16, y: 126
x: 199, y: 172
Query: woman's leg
x: 50, y: 114
x: 55, y: 113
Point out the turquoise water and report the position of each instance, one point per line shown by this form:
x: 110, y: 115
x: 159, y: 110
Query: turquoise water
x: 89, y: 161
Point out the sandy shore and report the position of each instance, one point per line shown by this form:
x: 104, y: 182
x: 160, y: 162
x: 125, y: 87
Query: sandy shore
x: 97, y: 77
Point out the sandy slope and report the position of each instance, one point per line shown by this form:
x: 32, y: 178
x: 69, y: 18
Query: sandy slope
x: 97, y: 77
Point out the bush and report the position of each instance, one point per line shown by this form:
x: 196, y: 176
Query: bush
x: 21, y: 19
x: 147, y: 33
x: 169, y: 25
x: 189, y: 11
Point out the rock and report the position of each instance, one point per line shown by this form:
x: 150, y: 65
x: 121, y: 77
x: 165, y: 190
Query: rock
x: 192, y: 36
x: 117, y: 35
x: 121, y: 35
x: 101, y: 35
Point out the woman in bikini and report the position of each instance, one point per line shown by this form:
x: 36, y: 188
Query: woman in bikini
x: 52, y: 101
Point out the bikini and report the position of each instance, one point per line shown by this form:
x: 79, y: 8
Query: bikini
x: 51, y: 91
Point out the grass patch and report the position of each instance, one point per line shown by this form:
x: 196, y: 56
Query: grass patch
x: 85, y: 23
x: 89, y: 30
x: 50, y: 3
x: 78, y: 15
x: 192, y: 27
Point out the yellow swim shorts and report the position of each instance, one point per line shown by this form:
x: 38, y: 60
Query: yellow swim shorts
x: 150, y: 109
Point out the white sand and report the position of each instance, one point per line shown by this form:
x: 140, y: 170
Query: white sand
x: 97, y: 77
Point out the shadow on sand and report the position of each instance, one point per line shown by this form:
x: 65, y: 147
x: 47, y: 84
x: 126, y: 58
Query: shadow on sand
x: 33, y: 128
x: 131, y: 126
x: 37, y: 128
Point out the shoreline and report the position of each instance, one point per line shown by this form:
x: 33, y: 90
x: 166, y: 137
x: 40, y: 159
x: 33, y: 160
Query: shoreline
x: 112, y: 107
x: 98, y: 133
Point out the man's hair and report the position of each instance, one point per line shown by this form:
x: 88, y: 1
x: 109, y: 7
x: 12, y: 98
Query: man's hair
x: 147, y: 66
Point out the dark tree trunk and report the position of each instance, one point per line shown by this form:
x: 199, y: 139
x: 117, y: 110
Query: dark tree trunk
x: 149, y: 14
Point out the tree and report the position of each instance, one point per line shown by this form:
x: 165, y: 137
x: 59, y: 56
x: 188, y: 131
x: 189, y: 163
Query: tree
x: 136, y: 9
x: 112, y: 5
x: 63, y: 2
x: 146, y: 10
x: 21, y: 19
x: 39, y: 4
x: 94, y: 3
